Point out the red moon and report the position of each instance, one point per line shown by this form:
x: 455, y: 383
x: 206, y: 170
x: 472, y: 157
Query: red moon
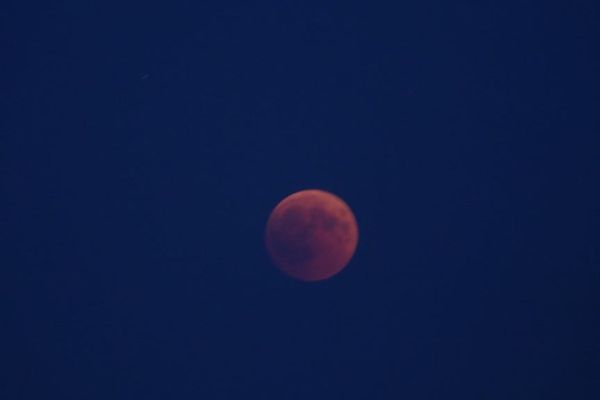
x: 311, y: 235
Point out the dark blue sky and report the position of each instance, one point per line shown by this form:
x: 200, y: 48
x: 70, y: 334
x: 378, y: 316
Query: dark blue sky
x: 143, y: 146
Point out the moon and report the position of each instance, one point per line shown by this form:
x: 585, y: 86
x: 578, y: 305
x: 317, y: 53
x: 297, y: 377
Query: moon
x: 311, y: 235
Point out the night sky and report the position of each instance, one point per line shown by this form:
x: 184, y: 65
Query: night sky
x: 143, y: 146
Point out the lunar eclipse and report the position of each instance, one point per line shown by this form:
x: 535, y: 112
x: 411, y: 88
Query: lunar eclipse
x: 311, y: 235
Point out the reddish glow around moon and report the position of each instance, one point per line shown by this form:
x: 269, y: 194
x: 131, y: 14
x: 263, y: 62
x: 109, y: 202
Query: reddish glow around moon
x: 311, y: 235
